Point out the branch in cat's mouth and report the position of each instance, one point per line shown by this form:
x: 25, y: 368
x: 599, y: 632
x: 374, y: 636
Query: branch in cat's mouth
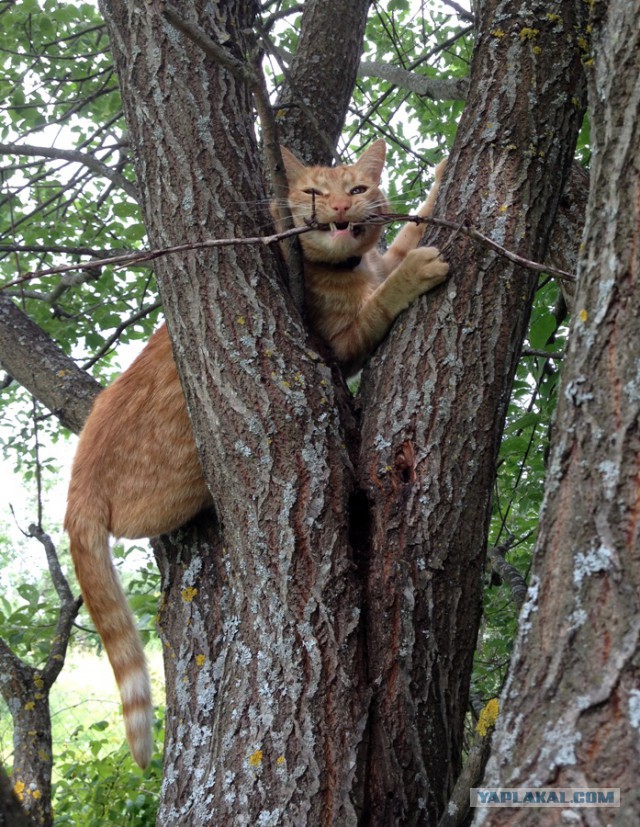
x: 355, y: 229
x: 142, y: 256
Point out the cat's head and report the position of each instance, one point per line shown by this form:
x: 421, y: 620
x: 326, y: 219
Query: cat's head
x: 339, y: 198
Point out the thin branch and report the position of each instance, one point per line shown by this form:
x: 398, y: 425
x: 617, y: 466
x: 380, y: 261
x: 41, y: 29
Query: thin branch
x: 512, y: 577
x: 485, y: 241
x: 56, y: 657
x: 209, y: 46
x: 144, y: 311
x: 36, y: 453
x: 268, y: 22
x: 142, y: 256
x: 69, y: 608
x: 434, y: 88
x: 457, y: 811
x: 386, y: 218
x: 72, y: 156
x: 462, y: 12
x: 43, y: 248
x: 60, y: 582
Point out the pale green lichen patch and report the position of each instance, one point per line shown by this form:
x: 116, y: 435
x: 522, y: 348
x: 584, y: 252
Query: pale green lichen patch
x: 528, y: 33
x: 188, y: 594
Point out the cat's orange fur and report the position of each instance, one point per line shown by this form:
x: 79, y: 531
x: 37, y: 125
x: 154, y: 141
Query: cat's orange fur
x: 350, y: 303
x: 136, y: 471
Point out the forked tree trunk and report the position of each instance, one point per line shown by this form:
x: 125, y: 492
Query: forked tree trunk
x: 572, y: 706
x: 319, y: 636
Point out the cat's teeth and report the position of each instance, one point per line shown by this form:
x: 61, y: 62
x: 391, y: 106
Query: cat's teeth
x: 343, y: 228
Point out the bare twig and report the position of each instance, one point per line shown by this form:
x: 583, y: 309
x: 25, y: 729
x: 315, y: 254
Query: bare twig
x: 72, y: 156
x: 485, y: 241
x: 462, y: 12
x: 457, y: 811
x: 67, y: 613
x: 60, y: 582
x: 43, y: 248
x: 144, y: 311
x: 142, y: 256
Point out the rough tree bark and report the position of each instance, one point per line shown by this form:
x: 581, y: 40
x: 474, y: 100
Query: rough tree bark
x: 11, y: 813
x: 321, y: 77
x: 271, y: 662
x: 575, y: 674
x: 35, y: 361
x: 25, y: 689
x: 277, y: 687
x: 431, y: 430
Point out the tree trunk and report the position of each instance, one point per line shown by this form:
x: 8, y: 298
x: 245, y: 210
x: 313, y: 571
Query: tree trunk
x: 316, y: 94
x: 11, y: 813
x: 265, y: 639
x: 24, y: 692
x: 275, y: 712
x: 432, y: 427
x: 35, y: 361
x: 575, y: 673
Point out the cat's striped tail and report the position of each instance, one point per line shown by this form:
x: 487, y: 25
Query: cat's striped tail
x: 106, y: 602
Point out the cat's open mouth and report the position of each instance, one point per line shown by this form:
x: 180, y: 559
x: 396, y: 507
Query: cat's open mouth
x: 343, y: 227
x: 337, y: 229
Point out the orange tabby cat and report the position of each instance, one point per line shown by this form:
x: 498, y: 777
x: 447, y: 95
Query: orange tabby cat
x: 353, y: 293
x: 136, y: 472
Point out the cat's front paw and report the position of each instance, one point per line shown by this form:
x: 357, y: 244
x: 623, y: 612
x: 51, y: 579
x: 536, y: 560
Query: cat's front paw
x: 426, y: 267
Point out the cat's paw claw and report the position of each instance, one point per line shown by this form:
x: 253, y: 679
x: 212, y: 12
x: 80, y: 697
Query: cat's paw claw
x: 429, y: 269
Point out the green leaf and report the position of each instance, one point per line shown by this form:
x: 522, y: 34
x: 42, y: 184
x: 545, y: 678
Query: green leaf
x: 541, y: 330
x: 30, y: 593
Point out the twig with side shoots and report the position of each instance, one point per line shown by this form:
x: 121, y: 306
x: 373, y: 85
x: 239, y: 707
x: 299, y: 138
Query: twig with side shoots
x: 134, y: 258
x: 131, y: 259
x: 484, y: 241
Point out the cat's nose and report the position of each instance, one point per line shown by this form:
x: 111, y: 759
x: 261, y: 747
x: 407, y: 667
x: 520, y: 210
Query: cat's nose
x: 340, y: 206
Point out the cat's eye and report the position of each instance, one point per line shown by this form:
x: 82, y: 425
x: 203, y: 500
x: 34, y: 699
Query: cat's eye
x: 358, y: 190
x: 312, y: 191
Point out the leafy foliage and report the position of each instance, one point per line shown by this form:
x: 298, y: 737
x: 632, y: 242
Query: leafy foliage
x: 59, y: 90
x: 103, y: 786
x: 520, y: 480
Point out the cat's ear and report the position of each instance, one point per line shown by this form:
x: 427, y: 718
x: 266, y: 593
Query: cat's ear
x: 292, y: 166
x: 372, y: 160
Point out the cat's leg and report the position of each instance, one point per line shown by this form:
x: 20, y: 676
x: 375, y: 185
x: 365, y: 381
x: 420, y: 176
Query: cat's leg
x: 420, y: 271
x: 409, y: 236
